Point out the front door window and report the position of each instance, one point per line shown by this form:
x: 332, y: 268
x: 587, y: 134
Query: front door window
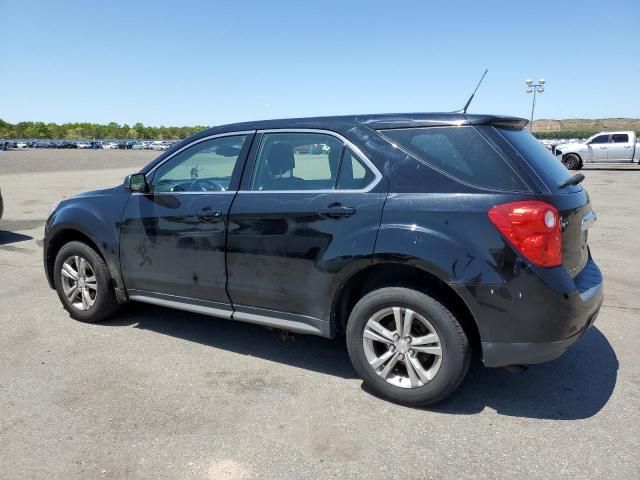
x: 207, y: 166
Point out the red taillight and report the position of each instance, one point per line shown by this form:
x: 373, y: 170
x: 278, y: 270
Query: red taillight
x: 533, y: 228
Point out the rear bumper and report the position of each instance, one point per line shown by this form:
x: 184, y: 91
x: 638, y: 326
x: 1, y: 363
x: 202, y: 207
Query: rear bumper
x: 500, y: 354
x: 534, y: 318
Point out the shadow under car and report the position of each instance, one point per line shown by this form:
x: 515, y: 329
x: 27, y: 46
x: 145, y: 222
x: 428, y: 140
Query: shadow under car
x: 575, y: 386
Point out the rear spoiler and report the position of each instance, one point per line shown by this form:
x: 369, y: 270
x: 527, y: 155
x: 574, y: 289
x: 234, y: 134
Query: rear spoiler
x: 445, y: 120
x: 509, y: 122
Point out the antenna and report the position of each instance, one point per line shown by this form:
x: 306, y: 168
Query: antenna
x: 466, y: 105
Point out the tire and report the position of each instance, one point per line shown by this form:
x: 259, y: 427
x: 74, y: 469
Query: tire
x: 572, y: 161
x: 101, y: 299
x: 455, y: 355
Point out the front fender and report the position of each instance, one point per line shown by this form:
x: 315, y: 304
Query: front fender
x: 579, y: 150
x: 94, y: 218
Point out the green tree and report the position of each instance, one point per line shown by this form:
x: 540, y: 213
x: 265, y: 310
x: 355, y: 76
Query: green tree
x: 6, y: 129
x: 38, y: 130
x: 86, y: 130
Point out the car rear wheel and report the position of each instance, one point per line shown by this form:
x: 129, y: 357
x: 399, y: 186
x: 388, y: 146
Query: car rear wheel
x: 572, y: 161
x: 407, y: 346
x: 83, y: 283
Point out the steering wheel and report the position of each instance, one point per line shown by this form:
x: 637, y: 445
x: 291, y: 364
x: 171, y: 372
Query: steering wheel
x: 207, y: 185
x: 201, y: 185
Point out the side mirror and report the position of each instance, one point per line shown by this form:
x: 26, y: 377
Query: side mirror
x: 138, y: 183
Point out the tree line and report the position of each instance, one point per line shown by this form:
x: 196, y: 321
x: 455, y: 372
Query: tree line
x: 85, y: 130
x: 569, y: 134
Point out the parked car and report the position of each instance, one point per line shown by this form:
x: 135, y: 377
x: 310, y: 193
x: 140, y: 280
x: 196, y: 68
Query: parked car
x: 421, y: 237
x: 110, y: 145
x: 85, y: 145
x: 137, y: 146
x: 160, y: 145
x: 22, y: 145
x: 604, y: 147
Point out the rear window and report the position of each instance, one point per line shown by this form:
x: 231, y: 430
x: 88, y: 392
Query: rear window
x: 548, y: 167
x: 460, y: 152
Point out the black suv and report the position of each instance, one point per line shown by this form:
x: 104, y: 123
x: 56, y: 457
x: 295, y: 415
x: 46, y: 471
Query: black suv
x: 421, y: 237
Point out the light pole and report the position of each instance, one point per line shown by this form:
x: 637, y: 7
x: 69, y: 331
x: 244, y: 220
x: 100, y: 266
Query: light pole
x: 534, y: 88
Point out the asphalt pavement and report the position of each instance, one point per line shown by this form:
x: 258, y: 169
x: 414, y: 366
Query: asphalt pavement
x: 156, y: 393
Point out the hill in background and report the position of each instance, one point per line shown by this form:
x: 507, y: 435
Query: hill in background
x: 586, y: 124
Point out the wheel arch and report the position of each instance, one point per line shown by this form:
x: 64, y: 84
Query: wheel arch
x: 393, y: 274
x: 59, y: 238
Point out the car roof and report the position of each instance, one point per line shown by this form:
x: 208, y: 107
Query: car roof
x: 374, y: 121
x: 345, y: 124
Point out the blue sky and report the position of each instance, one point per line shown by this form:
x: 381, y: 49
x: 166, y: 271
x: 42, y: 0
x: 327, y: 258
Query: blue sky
x: 188, y: 62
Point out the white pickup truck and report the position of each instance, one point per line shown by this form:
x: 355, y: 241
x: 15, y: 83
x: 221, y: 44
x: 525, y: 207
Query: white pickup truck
x: 604, y: 147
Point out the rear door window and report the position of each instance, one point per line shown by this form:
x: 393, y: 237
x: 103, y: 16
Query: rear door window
x: 619, y: 138
x: 460, y: 152
x: 297, y: 161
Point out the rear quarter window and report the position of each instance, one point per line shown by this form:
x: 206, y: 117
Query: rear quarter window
x: 354, y: 175
x: 461, y: 152
x: 548, y: 167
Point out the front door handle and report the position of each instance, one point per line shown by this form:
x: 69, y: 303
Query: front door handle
x: 627, y: 146
x: 336, y: 210
x: 603, y: 147
x: 207, y: 215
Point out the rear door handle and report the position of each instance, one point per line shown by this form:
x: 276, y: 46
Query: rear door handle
x: 603, y: 147
x: 627, y: 146
x: 207, y: 215
x: 336, y: 210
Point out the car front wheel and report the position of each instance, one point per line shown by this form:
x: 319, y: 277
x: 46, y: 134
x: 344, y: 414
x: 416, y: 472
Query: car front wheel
x: 407, y: 346
x: 83, y: 283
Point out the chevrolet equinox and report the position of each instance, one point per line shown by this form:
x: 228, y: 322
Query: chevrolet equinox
x: 420, y: 237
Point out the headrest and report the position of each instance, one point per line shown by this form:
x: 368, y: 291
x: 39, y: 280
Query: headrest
x: 279, y: 158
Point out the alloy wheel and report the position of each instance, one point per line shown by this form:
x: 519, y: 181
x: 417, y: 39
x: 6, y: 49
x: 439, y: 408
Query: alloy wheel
x: 79, y: 282
x: 402, y: 347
